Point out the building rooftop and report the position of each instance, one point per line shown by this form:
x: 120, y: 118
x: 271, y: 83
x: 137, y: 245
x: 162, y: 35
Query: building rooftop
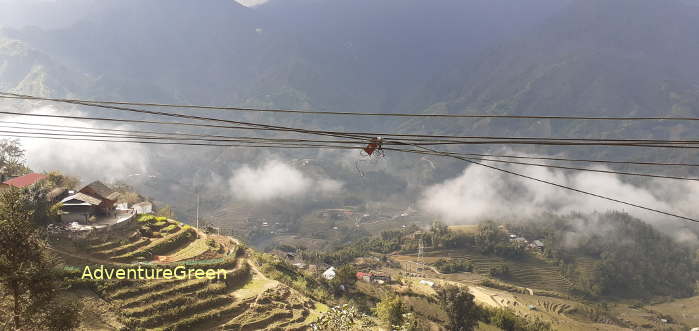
x: 82, y: 197
x: 26, y: 180
x: 102, y: 190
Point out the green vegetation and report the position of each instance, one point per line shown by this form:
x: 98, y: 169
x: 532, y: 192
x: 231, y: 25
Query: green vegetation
x: 490, y: 240
x: 344, y: 275
x: 12, y: 158
x: 280, y: 270
x: 632, y: 258
x: 193, y: 250
x: 390, y: 310
x: 460, y: 308
x: 161, y: 246
x: 170, y: 228
x: 447, y: 266
x: 507, y: 320
x: 342, y: 318
x: 145, y: 219
x: 27, y: 273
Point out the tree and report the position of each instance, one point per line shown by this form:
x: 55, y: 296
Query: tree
x: 462, y: 312
x: 11, y: 158
x: 504, y: 319
x: 57, y: 179
x: 488, y: 236
x: 390, y: 310
x: 439, y: 231
x: 342, y: 318
x: 26, y: 269
x: 344, y: 275
x: 37, y: 198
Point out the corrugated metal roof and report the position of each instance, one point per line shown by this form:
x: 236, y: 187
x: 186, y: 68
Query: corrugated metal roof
x: 102, y: 190
x: 83, y: 197
x: 26, y: 180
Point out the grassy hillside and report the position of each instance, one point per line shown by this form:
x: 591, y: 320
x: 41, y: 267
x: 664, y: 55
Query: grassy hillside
x: 245, y: 300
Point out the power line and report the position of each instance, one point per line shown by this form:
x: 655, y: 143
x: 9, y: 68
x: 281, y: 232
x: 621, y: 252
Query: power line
x: 285, y: 142
x: 124, y: 136
x: 583, y: 160
x: 560, y: 185
x: 432, y: 152
x: 345, y: 135
x: 241, y: 144
x: 200, y: 118
x: 557, y: 167
x: 364, y: 136
x: 312, y: 112
x: 234, y: 137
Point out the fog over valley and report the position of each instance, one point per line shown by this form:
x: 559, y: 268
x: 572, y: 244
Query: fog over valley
x: 520, y: 165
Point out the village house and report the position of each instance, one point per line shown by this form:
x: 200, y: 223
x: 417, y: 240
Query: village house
x: 91, y: 202
x: 364, y: 276
x: 538, y: 244
x: 27, y: 180
x: 79, y: 208
x: 370, y: 277
x: 143, y: 207
x: 106, y: 195
x: 329, y: 274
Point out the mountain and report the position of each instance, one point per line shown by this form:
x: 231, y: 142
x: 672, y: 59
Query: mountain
x: 613, y: 58
x: 598, y: 58
x: 30, y: 71
x: 330, y: 54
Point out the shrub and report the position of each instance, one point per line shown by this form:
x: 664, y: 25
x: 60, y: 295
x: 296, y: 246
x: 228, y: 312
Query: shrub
x: 146, y: 218
x: 170, y: 228
x: 452, y: 266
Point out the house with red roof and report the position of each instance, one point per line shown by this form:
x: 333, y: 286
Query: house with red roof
x: 23, y: 181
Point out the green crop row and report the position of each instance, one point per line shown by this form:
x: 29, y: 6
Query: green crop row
x: 172, y: 313
x: 214, y: 288
x: 187, y: 287
x: 190, y: 322
x: 127, y: 248
x: 127, y: 292
x: 161, y: 246
x: 170, y: 228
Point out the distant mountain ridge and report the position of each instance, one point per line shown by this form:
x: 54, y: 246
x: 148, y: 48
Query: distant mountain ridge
x: 582, y: 57
x: 337, y: 54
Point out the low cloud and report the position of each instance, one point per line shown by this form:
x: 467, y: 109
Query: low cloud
x: 86, y: 159
x: 480, y: 193
x: 276, y: 180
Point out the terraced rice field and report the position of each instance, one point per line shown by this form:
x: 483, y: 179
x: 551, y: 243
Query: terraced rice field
x: 191, y: 251
x: 584, y: 265
x: 167, y: 304
x: 247, y: 300
x: 274, y: 309
x: 529, y: 272
x: 129, y: 248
